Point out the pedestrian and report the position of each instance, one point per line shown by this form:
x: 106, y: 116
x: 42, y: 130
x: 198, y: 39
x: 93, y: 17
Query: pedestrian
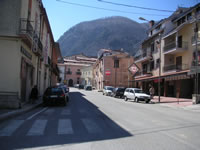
x: 34, y: 94
x: 151, y: 91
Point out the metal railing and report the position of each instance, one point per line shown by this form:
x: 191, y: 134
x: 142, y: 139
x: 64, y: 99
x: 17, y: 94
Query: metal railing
x: 193, y: 40
x: 175, y: 67
x: 144, y: 55
x: 173, y: 45
x: 143, y: 72
x: 169, y: 46
x: 26, y: 27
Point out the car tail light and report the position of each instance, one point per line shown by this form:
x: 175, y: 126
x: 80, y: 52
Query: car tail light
x: 62, y: 95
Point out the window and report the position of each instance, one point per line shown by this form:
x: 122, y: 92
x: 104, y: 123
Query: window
x: 152, y: 65
x: 78, y: 80
x: 152, y: 47
x: 157, y: 62
x: 116, y: 63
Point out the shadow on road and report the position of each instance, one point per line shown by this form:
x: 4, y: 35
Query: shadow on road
x: 88, y: 122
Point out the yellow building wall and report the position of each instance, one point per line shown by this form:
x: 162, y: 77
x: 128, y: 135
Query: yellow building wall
x: 10, y: 65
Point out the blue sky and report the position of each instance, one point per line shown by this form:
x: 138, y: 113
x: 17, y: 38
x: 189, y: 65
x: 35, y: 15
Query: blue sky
x: 63, y: 16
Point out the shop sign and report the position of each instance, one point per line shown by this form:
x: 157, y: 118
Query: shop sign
x: 26, y: 53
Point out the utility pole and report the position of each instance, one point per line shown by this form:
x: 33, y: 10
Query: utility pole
x: 159, y: 69
x: 196, y: 59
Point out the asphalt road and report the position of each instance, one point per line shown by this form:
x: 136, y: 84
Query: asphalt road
x: 92, y: 121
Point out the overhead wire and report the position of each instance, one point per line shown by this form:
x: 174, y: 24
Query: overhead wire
x: 139, y: 7
x: 101, y: 8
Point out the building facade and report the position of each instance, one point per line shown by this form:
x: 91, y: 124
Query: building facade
x: 112, y: 69
x: 87, y: 76
x: 167, y: 55
x: 26, y: 50
x: 71, y: 68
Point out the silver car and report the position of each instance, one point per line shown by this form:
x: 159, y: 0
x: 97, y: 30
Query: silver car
x: 107, y: 90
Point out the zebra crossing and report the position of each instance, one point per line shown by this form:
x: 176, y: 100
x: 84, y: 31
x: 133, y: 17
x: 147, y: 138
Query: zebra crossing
x: 64, y: 126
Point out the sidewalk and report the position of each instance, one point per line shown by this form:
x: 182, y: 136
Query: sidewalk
x: 176, y: 103
x: 10, y: 113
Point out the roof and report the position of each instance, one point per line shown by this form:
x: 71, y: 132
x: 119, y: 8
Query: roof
x: 185, y: 12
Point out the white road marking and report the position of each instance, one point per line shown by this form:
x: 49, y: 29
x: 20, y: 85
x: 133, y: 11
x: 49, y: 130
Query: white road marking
x: 91, y: 126
x: 66, y: 112
x: 65, y: 127
x: 12, y: 127
x: 37, y: 113
x: 37, y: 128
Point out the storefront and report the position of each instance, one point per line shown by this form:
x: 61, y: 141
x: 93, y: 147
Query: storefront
x: 173, y: 85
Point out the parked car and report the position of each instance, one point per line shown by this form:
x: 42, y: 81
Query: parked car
x: 118, y: 92
x: 136, y: 94
x: 76, y: 85
x: 107, y: 90
x: 66, y: 90
x: 88, y: 88
x: 81, y: 86
x: 55, y: 95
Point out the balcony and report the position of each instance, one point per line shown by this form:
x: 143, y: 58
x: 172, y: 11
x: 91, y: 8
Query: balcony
x: 78, y: 73
x: 193, y: 40
x: 173, y: 47
x: 175, y: 68
x: 26, y: 30
x: 143, y: 73
x: 68, y: 72
x: 143, y: 57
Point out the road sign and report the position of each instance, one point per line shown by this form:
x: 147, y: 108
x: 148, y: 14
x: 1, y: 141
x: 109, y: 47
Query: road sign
x: 107, y: 72
x: 133, y: 69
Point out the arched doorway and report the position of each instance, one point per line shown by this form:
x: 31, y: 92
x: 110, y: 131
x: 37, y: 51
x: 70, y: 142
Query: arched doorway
x: 70, y: 82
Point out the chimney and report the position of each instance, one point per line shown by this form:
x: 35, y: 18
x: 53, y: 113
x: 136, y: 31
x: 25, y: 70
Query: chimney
x: 151, y: 23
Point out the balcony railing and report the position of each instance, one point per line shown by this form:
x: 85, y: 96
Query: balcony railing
x: 169, y: 46
x: 144, y: 56
x: 193, y: 40
x: 173, y: 46
x: 144, y: 73
x: 78, y: 73
x: 175, y: 67
x: 26, y: 28
x: 68, y: 72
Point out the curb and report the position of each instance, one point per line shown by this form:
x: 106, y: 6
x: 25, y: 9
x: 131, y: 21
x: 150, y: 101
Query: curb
x: 15, y: 113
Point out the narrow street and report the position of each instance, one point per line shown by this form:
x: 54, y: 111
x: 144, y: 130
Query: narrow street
x: 92, y: 121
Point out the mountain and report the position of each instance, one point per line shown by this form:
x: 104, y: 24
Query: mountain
x: 110, y: 33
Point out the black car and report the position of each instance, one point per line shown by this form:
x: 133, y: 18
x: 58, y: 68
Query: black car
x: 88, y: 88
x: 54, y: 95
x: 81, y: 86
x: 118, y: 92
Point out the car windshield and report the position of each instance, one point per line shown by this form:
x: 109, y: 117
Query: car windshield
x: 139, y: 91
x: 110, y: 88
x: 121, y: 89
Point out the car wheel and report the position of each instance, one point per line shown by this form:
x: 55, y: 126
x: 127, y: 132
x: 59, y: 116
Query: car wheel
x: 147, y: 101
x: 125, y: 98
x: 103, y: 93
x: 136, y: 99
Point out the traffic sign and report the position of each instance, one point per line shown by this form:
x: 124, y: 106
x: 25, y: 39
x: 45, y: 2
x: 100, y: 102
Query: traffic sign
x: 133, y: 69
x: 107, y: 72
